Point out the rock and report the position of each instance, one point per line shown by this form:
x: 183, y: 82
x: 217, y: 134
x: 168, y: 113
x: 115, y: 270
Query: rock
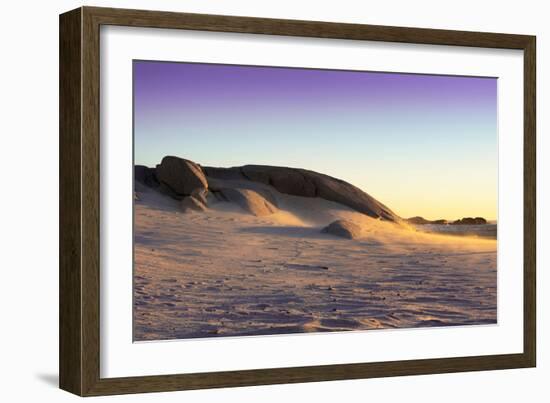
x: 470, y: 221
x: 166, y: 190
x: 200, y: 195
x: 249, y: 200
x: 418, y: 220
x: 223, y: 173
x: 144, y: 179
x: 145, y: 176
x: 480, y: 220
x: 285, y: 180
x: 190, y: 203
x: 344, y: 229
x: 181, y: 176
x: 422, y: 221
x: 440, y: 222
x: 301, y: 182
x: 464, y: 221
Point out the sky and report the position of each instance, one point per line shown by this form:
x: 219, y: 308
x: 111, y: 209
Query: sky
x: 421, y: 144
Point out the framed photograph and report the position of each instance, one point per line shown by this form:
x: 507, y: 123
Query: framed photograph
x: 248, y: 201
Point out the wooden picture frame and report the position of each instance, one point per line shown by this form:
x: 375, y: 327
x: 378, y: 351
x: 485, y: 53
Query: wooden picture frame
x: 79, y: 348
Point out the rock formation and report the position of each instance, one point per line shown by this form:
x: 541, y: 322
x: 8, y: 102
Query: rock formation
x: 418, y: 220
x: 253, y: 187
x: 145, y: 176
x: 470, y: 221
x: 301, y: 182
x: 343, y: 228
x: 440, y: 222
x: 181, y: 176
x: 422, y: 221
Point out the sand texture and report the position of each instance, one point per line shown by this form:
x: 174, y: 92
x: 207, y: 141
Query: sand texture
x: 228, y: 272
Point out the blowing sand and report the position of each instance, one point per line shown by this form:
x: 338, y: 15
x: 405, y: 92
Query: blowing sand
x: 224, y: 272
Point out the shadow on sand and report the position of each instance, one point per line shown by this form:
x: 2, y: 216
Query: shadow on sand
x: 290, y: 231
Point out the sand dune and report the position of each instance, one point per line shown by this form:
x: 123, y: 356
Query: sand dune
x: 227, y: 272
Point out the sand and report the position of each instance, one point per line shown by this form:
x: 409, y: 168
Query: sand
x: 225, y: 272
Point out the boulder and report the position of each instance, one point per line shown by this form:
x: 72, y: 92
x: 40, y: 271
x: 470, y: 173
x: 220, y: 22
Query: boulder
x: 167, y: 190
x: 344, y: 229
x: 249, y: 200
x: 305, y: 183
x: 190, y: 203
x: 145, y: 176
x: 181, y: 176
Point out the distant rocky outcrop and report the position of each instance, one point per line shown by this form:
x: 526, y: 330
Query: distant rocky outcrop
x: 182, y: 177
x: 470, y: 221
x: 305, y: 183
x: 343, y: 228
x: 418, y: 220
x: 422, y: 221
x: 463, y: 221
x: 440, y: 222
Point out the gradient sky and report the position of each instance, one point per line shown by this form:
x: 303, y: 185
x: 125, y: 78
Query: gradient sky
x: 421, y: 144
